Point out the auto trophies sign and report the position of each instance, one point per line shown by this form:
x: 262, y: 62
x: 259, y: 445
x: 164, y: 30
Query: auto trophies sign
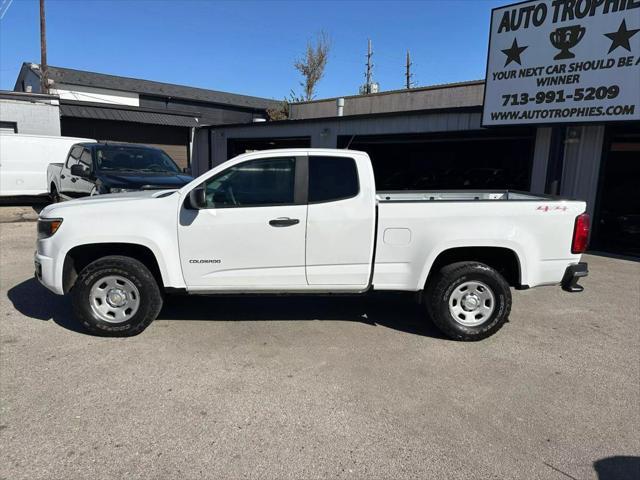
x: 563, y: 61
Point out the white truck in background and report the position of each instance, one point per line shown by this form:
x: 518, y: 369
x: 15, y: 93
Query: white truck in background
x: 24, y: 160
x: 307, y: 221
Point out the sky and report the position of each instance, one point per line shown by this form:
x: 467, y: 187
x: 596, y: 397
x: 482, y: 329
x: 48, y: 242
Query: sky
x: 249, y: 47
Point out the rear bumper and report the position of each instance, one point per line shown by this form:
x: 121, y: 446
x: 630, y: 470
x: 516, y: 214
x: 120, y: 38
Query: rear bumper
x: 572, y: 274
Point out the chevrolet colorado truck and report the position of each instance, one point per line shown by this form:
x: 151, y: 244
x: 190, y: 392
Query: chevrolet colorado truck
x: 307, y: 221
x: 97, y: 168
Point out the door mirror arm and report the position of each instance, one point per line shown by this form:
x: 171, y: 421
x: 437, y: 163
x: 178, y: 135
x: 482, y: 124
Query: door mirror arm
x: 198, y: 198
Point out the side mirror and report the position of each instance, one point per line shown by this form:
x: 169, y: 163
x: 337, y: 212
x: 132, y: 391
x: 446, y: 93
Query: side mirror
x: 198, y: 198
x: 79, y: 171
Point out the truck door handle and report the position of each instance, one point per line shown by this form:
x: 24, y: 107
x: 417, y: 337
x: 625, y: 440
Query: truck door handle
x: 283, y: 222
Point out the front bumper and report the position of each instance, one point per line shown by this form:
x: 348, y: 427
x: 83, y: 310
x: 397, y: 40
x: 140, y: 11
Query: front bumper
x: 45, y: 272
x: 572, y: 274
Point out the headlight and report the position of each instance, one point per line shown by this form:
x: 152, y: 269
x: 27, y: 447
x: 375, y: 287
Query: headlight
x: 48, y: 226
x: 120, y: 190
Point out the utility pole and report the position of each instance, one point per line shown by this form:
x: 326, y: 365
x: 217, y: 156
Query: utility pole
x: 369, y: 73
x: 408, y: 73
x: 43, y: 51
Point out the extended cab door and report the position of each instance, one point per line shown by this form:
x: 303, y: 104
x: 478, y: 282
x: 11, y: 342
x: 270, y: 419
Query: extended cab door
x: 340, y: 221
x: 251, y: 236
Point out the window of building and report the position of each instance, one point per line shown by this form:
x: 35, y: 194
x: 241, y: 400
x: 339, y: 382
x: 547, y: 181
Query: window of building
x: 257, y: 183
x: 332, y: 178
x: 8, y: 127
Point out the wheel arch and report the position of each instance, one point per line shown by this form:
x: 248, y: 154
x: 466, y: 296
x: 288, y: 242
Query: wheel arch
x: 503, y: 259
x: 82, y: 255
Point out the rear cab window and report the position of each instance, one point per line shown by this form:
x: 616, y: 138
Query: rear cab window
x: 332, y: 179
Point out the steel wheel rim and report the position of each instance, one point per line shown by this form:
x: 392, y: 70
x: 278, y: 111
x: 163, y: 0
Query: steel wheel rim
x: 114, y: 299
x: 472, y: 303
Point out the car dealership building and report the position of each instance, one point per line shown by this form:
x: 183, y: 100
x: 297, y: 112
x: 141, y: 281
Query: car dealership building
x: 433, y: 138
x: 557, y: 113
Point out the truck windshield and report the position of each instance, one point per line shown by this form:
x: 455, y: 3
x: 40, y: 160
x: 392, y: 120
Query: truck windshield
x: 139, y: 159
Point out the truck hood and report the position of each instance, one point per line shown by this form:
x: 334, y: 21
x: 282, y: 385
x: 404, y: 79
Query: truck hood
x: 59, y: 209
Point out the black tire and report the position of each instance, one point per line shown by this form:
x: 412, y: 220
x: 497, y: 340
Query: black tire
x: 54, y: 195
x: 148, y: 291
x: 444, y: 284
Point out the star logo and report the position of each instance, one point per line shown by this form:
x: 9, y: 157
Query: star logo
x: 513, y: 53
x: 621, y: 37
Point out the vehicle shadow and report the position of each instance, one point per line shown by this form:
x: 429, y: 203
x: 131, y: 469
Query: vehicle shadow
x: 396, y: 311
x: 36, y: 204
x: 618, y: 468
x: 34, y: 301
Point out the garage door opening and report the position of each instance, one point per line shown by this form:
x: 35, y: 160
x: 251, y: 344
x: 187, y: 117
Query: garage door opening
x: 475, y: 160
x: 617, y: 218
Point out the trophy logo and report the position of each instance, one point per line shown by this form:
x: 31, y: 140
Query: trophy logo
x: 565, y: 38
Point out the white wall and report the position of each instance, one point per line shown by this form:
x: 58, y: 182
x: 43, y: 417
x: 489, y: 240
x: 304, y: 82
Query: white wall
x: 98, y: 95
x: 34, y: 118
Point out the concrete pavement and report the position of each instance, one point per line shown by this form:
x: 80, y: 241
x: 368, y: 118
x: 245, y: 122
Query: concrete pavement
x: 320, y: 388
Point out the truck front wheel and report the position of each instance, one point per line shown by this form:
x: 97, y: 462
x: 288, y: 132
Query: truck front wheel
x: 468, y: 301
x: 116, y: 296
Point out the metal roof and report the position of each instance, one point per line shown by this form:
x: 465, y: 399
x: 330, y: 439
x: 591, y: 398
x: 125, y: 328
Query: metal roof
x: 127, y: 84
x: 27, y: 97
x: 80, y: 110
x: 438, y: 86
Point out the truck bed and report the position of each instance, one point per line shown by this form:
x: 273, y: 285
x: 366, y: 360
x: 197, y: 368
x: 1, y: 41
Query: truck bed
x: 457, y: 195
x: 415, y: 226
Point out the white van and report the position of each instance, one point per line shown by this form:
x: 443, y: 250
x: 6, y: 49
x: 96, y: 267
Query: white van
x: 24, y: 160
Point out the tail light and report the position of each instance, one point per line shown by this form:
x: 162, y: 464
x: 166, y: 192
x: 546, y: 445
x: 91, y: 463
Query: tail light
x: 580, y: 234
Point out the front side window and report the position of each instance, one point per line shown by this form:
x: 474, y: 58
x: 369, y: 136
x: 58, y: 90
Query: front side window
x: 332, y: 178
x: 256, y: 183
x: 85, y: 159
x: 74, y: 155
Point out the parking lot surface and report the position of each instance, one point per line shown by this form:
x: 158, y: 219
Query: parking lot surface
x: 319, y: 387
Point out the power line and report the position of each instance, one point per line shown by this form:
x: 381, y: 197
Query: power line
x: 4, y: 7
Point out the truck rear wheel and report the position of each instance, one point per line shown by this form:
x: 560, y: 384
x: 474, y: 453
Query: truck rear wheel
x: 116, y: 296
x: 468, y: 301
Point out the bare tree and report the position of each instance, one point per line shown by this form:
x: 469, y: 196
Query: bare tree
x: 281, y: 112
x: 311, y: 66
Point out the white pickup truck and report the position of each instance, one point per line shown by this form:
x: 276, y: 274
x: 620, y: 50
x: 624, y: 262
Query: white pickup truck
x: 307, y: 221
